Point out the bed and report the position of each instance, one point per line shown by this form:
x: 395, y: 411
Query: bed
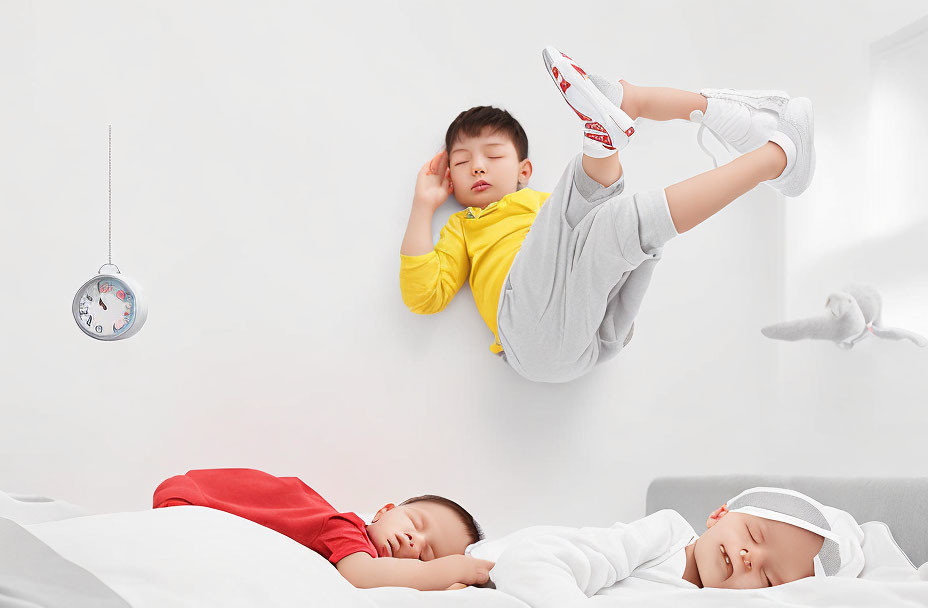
x: 193, y: 556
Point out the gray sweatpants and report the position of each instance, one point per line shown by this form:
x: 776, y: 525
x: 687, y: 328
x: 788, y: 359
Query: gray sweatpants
x: 574, y: 289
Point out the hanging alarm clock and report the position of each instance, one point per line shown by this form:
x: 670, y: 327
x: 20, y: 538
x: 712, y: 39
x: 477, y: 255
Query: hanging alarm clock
x: 110, y: 306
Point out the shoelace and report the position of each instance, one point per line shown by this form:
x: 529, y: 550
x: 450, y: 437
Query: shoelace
x: 696, y: 116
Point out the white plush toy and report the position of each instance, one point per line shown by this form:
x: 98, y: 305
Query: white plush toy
x: 852, y: 315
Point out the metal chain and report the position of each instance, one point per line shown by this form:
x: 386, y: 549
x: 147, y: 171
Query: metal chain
x: 110, y: 197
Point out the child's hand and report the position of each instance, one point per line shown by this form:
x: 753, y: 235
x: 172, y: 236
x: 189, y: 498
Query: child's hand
x: 465, y: 569
x: 433, y: 184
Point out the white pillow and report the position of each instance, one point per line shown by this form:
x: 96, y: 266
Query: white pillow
x: 29, y: 509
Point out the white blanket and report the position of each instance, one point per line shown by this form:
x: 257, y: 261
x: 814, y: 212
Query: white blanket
x: 556, y: 567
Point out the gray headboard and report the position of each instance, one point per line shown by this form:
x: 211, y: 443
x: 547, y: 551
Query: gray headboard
x: 902, y: 503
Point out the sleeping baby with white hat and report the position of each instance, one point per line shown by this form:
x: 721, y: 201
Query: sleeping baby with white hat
x: 760, y: 538
x: 771, y: 536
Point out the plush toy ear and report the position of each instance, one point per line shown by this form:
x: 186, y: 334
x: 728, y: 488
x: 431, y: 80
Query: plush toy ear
x: 839, y: 303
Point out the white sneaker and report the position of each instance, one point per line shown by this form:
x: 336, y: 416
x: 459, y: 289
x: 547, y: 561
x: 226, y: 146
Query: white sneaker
x: 603, y: 121
x: 746, y: 120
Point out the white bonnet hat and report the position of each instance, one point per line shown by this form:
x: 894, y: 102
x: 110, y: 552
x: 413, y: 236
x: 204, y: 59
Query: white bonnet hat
x: 842, y: 553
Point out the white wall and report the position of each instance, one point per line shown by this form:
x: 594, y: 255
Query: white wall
x: 264, y: 162
x: 868, y: 223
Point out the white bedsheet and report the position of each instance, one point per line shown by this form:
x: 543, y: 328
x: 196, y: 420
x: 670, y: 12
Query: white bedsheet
x: 809, y: 592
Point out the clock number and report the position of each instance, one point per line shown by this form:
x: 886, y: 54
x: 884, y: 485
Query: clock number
x: 99, y: 329
x: 89, y: 319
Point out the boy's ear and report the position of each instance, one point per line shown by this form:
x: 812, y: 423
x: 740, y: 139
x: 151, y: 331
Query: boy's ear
x: 525, y: 172
x: 387, y: 507
x: 716, y: 515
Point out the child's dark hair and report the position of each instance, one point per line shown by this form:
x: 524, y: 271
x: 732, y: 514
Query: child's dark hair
x: 472, y: 123
x: 473, y: 528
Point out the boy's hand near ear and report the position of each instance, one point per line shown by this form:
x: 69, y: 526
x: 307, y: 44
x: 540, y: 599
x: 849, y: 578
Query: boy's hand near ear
x: 364, y: 571
x: 433, y: 184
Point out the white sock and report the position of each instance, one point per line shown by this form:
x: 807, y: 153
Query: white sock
x: 730, y: 119
x: 614, y: 93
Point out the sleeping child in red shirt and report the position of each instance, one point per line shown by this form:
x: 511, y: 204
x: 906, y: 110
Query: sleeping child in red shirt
x: 419, y: 543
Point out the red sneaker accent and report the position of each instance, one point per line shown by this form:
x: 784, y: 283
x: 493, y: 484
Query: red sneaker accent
x: 595, y: 126
x: 630, y: 131
x: 577, y: 67
x: 603, y: 139
x: 561, y: 82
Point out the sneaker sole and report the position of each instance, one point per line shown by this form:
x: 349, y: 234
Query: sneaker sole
x: 604, y: 122
x: 798, y: 123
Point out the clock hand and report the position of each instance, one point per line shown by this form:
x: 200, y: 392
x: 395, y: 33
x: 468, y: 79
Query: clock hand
x: 102, y: 304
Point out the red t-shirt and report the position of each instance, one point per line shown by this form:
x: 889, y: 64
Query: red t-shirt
x: 284, y: 504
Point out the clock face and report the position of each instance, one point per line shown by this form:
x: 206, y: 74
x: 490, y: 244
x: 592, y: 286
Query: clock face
x: 106, y: 307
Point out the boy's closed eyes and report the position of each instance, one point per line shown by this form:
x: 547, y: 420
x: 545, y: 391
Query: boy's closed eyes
x: 423, y: 530
x: 486, y: 167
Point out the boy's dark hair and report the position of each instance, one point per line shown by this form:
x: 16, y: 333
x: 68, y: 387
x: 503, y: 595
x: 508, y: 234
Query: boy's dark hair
x: 473, y: 528
x: 472, y: 123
